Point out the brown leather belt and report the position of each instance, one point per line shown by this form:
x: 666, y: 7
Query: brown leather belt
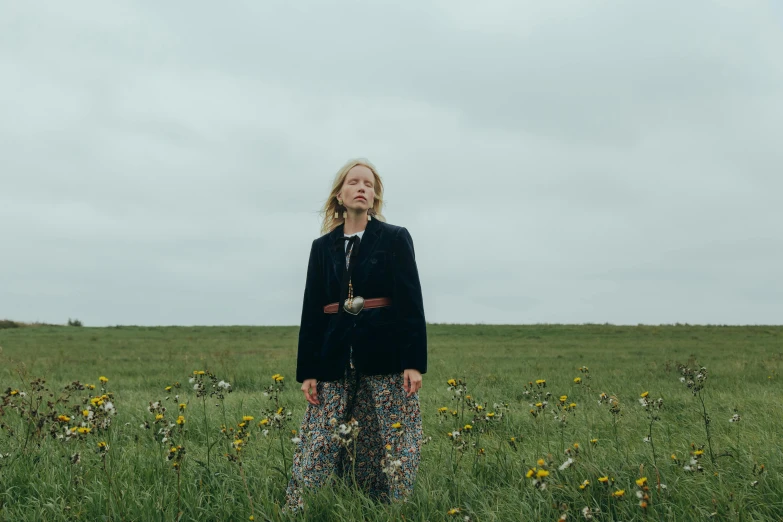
x: 374, y: 302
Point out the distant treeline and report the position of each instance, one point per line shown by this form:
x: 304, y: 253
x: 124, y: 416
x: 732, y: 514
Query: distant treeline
x: 7, y: 323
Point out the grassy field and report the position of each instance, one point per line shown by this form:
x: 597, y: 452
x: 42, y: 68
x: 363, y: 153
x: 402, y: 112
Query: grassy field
x: 694, y: 469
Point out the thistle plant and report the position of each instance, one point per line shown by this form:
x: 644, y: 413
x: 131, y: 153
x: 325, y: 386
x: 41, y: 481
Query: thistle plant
x: 242, y: 436
x: 614, y: 410
x: 562, y: 412
x: 346, y: 435
x: 277, y: 417
x: 695, y: 381
x: 653, y: 410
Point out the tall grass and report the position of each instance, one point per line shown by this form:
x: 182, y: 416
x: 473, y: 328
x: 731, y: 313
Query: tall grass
x: 638, y: 435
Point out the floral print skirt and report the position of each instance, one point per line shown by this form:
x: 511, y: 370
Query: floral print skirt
x: 365, y: 424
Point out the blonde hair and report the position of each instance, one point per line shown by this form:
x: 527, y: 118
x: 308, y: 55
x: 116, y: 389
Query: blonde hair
x: 331, y: 205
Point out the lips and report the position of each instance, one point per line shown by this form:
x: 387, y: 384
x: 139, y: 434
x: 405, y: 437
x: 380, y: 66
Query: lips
x: 360, y: 197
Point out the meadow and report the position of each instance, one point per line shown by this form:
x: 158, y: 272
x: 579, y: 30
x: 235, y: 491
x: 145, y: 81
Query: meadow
x: 536, y: 422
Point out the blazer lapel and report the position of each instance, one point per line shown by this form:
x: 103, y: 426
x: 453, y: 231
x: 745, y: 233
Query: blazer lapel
x: 337, y: 251
x: 372, y: 233
x: 369, y: 239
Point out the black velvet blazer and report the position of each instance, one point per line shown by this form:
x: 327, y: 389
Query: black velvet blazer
x: 388, y: 339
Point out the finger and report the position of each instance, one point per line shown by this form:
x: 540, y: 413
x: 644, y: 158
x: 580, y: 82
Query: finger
x: 314, y: 396
x: 308, y: 397
x: 407, y: 382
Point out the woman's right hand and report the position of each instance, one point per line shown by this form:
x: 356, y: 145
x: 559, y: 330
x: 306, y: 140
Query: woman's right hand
x: 310, y: 391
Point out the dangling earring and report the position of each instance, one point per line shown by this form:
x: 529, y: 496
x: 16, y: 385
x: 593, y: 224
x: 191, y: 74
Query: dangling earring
x: 336, y: 215
x: 369, y: 216
x: 345, y: 214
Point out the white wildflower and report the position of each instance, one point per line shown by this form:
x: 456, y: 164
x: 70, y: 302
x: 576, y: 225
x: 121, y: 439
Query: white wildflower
x: 566, y: 464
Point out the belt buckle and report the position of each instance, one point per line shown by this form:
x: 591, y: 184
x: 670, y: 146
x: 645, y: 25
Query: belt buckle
x: 354, y: 305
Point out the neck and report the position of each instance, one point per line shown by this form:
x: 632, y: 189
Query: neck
x: 355, y: 222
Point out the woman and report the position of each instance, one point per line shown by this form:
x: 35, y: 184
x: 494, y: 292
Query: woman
x: 362, y: 347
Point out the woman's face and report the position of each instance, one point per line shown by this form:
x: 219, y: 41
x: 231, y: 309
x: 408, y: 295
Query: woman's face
x: 358, y: 191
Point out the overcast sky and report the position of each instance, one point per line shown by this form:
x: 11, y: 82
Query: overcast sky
x: 561, y: 162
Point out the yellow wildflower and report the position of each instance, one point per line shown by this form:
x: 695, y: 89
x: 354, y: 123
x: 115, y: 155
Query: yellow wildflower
x: 619, y: 493
x: 641, y: 481
x: 576, y: 445
x: 539, y: 405
x: 280, y: 411
x: 577, y: 380
x: 86, y: 413
x: 572, y: 405
x: 468, y: 427
x: 180, y: 420
x: 63, y: 418
x: 698, y: 452
x: 541, y: 473
x: 584, y: 484
x: 530, y: 472
x: 452, y: 511
x: 541, y: 381
x: 168, y: 388
x: 182, y: 406
x: 101, y: 444
x: 563, y: 398
x: 443, y: 410
x: 388, y: 447
x: 159, y: 416
x: 491, y: 414
x: 103, y: 379
x: 593, y: 441
x: 603, y: 480
x: 645, y: 394
x: 247, y: 418
x: 263, y: 422
x: 14, y: 392
x: 451, y: 382
x: 84, y: 430
x: 541, y: 462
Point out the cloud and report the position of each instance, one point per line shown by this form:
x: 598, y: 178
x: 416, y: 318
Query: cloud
x: 564, y: 162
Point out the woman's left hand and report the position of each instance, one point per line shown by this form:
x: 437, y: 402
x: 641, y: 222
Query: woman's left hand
x: 412, y: 381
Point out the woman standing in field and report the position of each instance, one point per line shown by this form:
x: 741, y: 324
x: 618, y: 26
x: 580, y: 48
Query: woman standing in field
x: 362, y: 347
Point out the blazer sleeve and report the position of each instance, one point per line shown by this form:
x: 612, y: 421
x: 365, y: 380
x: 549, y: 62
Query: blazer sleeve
x: 313, y: 321
x: 407, y: 300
